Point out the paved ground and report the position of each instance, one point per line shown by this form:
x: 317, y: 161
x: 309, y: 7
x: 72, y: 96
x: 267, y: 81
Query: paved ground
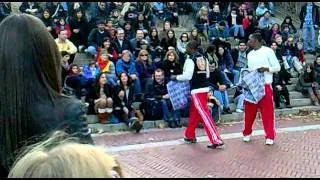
x: 162, y: 153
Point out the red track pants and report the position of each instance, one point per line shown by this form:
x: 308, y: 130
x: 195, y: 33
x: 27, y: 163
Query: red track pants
x: 199, y: 111
x: 267, y: 112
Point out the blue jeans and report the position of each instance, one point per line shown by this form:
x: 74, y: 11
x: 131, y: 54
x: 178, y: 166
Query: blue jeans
x: 308, y: 35
x: 271, y: 7
x: 215, y: 112
x: 201, y: 27
x: 92, y: 50
x: 166, y: 113
x: 235, y: 29
x: 226, y: 31
x: 112, y: 80
x: 152, y: 19
x: 223, y: 98
x: 137, y: 85
x: 239, y: 100
x: 236, y: 76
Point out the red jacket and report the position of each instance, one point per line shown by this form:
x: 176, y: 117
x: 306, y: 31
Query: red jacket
x: 57, y: 28
x: 245, y: 23
x: 301, y: 56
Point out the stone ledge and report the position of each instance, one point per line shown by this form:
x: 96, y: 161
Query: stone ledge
x: 235, y: 117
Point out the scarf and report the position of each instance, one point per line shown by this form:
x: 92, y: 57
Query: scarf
x: 104, y: 65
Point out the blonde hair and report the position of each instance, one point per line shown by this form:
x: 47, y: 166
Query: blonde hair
x: 143, y: 51
x: 56, y: 158
x: 202, y: 10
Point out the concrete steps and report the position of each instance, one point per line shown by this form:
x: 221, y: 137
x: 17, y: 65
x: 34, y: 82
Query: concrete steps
x: 292, y: 95
x: 234, y: 117
x: 295, y: 102
x: 82, y: 59
x: 290, y: 88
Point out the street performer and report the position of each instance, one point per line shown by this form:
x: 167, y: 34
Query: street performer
x: 261, y: 59
x: 196, y: 69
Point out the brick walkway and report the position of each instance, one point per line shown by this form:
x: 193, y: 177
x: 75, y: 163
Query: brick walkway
x: 295, y: 154
x: 158, y: 135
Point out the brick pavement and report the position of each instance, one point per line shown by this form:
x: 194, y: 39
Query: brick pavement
x: 295, y: 154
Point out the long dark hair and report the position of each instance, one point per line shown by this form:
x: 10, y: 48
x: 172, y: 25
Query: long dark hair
x: 284, y: 21
x: 150, y: 33
x: 309, y: 77
x: 30, y: 73
x: 129, y: 83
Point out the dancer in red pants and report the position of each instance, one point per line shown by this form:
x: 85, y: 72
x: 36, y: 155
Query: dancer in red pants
x: 196, y: 69
x: 264, y: 60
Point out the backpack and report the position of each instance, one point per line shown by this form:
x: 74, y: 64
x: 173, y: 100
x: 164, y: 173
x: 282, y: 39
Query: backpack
x: 153, y: 109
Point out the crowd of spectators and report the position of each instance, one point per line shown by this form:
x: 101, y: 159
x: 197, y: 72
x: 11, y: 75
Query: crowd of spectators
x: 133, y: 59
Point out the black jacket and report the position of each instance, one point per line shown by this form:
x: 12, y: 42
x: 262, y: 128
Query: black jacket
x: 94, y: 93
x: 165, y: 43
x: 24, y: 6
x: 215, y: 78
x: 53, y: 8
x: 96, y: 38
x: 170, y: 68
x: 155, y: 90
x: 66, y: 114
x: 315, y: 14
x: 82, y: 25
x: 238, y: 19
x: 127, y: 99
x: 126, y: 45
x: 317, y: 72
x: 290, y: 50
x: 277, y: 80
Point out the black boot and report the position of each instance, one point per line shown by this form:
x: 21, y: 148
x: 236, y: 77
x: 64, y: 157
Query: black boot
x: 227, y: 110
x: 172, y: 124
x: 178, y: 123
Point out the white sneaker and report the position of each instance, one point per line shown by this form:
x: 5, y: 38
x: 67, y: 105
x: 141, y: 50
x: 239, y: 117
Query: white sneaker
x: 109, y: 110
x: 247, y: 138
x: 239, y: 110
x: 269, y: 141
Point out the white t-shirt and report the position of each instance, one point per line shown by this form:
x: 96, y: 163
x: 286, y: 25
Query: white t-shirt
x: 264, y: 57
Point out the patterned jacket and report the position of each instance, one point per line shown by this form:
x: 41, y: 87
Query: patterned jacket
x: 253, y: 85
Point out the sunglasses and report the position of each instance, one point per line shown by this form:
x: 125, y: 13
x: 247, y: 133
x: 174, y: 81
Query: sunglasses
x: 144, y: 54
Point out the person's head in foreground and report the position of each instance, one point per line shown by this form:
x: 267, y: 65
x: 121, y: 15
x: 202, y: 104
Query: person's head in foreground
x: 59, y: 157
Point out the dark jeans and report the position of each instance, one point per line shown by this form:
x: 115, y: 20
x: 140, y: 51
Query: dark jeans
x: 166, y: 113
x: 215, y: 113
x: 277, y: 95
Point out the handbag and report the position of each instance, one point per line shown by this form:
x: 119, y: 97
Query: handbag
x: 179, y: 93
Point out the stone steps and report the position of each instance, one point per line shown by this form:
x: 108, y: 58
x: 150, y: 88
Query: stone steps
x: 82, y: 59
x: 290, y: 88
x: 295, y: 102
x: 292, y: 95
x: 235, y: 117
